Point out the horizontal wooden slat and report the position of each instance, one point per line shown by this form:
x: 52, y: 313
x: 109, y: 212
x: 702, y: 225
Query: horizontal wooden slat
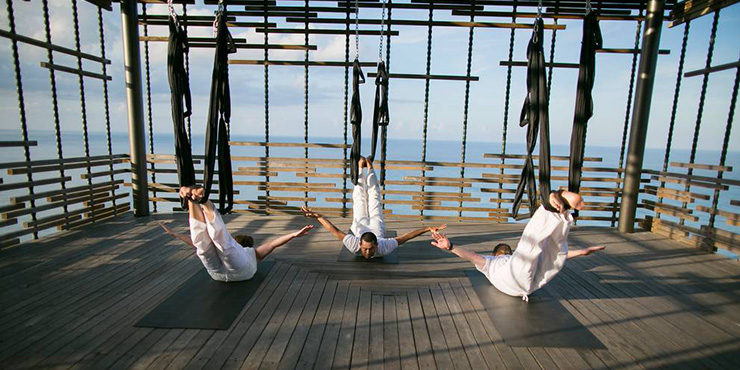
x: 412, y: 76
x: 9, y: 222
x: 9, y: 144
x: 674, y: 213
x: 701, y: 166
x: 280, y: 167
x: 87, y: 192
x: 424, y: 193
x: 718, y: 212
x: 65, y: 166
x: 93, y: 175
x: 75, y: 199
x: 99, y: 216
x: 46, y: 45
x: 714, y: 180
x: 545, y: 14
x: 677, y: 193
x: 44, y: 162
x: 735, y: 202
x: 319, y: 31
x: 74, y: 71
x: 303, y: 189
x: 25, y: 198
x: 536, y: 157
x: 516, y: 63
x: 287, y: 199
x: 461, y: 209
x: 26, y: 184
x: 12, y: 207
x: 291, y: 184
x: 446, y: 198
x: 300, y: 63
x: 651, y: 203
x: 9, y: 243
x: 717, y: 68
x: 322, y: 175
x: 437, y: 183
x: 689, y: 182
x: 446, y: 218
x: 288, y: 145
x: 722, y: 236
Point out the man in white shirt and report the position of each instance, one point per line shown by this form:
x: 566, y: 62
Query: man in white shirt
x: 368, y: 228
x: 226, y: 258
x: 540, y: 254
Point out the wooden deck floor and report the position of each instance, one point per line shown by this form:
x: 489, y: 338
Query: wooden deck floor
x: 70, y: 301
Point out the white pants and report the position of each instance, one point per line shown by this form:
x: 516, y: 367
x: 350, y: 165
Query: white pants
x: 367, y: 210
x: 221, y: 255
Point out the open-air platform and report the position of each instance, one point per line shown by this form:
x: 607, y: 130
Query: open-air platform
x: 71, y: 301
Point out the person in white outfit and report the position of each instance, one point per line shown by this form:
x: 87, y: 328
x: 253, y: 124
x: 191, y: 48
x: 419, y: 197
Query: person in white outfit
x: 368, y: 228
x: 540, y: 254
x: 226, y: 258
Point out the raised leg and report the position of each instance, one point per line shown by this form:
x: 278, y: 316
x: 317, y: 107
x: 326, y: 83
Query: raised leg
x: 375, y: 205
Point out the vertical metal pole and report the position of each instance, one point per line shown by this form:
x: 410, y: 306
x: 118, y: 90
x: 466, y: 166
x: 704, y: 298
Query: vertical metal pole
x: 136, y: 130
x: 641, y: 114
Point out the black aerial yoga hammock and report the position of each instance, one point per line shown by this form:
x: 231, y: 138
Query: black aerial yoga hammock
x: 584, y: 101
x: 380, y: 115
x: 535, y: 116
x: 219, y: 114
x: 179, y: 89
x: 355, y: 117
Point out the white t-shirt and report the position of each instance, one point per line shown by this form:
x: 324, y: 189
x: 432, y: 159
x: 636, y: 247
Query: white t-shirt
x: 385, y: 245
x: 539, y: 256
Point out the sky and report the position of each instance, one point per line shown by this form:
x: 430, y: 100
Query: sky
x: 408, y: 55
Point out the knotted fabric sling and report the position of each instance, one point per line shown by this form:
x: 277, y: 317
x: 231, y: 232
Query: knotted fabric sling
x: 356, y: 119
x: 535, y: 116
x: 180, y: 90
x: 584, y: 101
x: 219, y: 114
x: 380, y: 115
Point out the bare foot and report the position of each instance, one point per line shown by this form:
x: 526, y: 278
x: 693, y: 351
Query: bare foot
x: 361, y: 163
x: 369, y: 164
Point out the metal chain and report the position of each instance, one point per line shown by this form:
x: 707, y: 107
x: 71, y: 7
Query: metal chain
x: 83, y: 108
x: 106, y: 108
x: 267, y: 110
x: 588, y: 6
x: 426, y: 102
x: 305, y: 103
x: 552, y: 60
x: 357, y: 29
x: 149, y: 105
x: 507, y: 99
x: 384, y: 142
x: 346, y: 106
x: 539, y: 9
x: 55, y: 106
x: 465, y: 108
x: 21, y: 107
x: 382, y: 32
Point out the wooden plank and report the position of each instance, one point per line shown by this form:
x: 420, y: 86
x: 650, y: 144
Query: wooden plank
x: 57, y: 48
x: 714, y: 180
x: 422, y: 339
x: 407, y: 350
x: 74, y: 71
x: 690, y: 183
x: 29, y: 184
x: 43, y: 162
x: 345, y: 344
x: 289, y: 145
x: 413, y: 22
x: 376, y: 350
x: 297, y: 63
x: 442, y: 354
x: 361, y: 343
x: 536, y: 157
x: 699, y: 166
x: 735, y: 202
x: 93, y: 175
x: 718, y: 212
x: 9, y: 144
x: 326, y: 31
x: 310, y: 348
x: 327, y: 349
x: 391, y: 340
x: 65, y: 166
x: 428, y: 184
x: 444, y: 294
x: 414, y: 76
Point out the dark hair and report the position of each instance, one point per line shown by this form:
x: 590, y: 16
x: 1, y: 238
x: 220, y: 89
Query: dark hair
x: 502, y: 248
x: 244, y: 240
x: 369, y: 237
x: 561, y: 198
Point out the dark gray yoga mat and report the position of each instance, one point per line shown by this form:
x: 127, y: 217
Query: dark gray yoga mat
x: 541, y: 322
x: 346, y: 256
x: 203, y: 303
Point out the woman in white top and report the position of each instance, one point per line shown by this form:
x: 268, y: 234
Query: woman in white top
x: 226, y: 258
x: 540, y: 254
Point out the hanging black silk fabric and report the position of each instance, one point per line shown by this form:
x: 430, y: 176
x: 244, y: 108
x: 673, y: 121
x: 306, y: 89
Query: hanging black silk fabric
x: 355, y: 117
x: 380, y: 114
x: 584, y: 101
x: 535, y: 116
x: 180, y: 90
x: 219, y: 114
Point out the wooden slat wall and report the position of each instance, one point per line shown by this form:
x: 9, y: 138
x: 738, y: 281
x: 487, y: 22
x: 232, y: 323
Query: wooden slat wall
x: 682, y: 206
x: 485, y: 194
x: 62, y: 202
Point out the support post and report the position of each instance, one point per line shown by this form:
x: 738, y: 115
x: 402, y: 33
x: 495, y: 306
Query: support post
x: 136, y: 128
x: 640, y: 115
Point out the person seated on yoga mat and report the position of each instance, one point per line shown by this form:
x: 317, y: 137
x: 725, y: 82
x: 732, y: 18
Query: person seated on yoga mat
x: 540, y: 254
x: 226, y: 258
x: 368, y: 228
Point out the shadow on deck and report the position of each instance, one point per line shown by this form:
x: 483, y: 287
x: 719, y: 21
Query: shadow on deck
x: 71, y: 300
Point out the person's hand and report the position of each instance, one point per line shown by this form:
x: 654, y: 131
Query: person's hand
x: 302, y: 231
x: 309, y: 213
x: 589, y: 250
x: 435, y: 229
x: 185, y: 192
x: 441, y: 241
x: 197, y: 193
x: 556, y: 203
x: 166, y: 229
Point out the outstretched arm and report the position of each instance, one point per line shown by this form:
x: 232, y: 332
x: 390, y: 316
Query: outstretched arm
x: 442, y: 242
x: 324, y: 222
x: 413, y: 234
x: 183, y: 237
x: 585, y: 251
x: 265, y: 249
